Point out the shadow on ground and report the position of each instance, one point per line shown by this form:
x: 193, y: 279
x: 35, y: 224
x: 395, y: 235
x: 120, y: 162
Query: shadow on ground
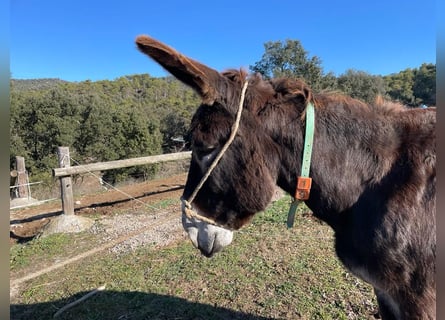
x: 107, y: 305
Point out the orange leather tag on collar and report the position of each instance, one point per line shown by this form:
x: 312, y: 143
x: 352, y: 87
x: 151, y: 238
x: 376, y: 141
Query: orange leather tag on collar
x: 303, y: 188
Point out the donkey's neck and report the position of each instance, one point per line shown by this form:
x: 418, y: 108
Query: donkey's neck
x: 351, y: 152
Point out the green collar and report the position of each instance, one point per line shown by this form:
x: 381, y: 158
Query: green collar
x: 303, y: 181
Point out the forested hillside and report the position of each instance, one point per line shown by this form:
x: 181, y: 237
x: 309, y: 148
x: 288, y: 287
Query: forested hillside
x: 129, y: 117
x: 139, y: 115
x: 36, y: 84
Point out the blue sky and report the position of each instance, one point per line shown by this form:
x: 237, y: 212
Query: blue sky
x: 94, y: 40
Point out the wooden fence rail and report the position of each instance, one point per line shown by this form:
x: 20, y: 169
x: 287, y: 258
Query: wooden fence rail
x: 103, y: 166
x: 65, y: 171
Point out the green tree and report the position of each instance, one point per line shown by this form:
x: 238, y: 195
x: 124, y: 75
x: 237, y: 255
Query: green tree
x: 424, y: 87
x: 173, y: 125
x: 41, y: 121
x: 413, y: 87
x: 400, y: 86
x: 361, y: 85
x: 329, y: 82
x: 289, y: 59
x: 18, y: 145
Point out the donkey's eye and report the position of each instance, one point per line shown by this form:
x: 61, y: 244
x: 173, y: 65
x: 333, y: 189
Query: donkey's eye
x: 204, y: 153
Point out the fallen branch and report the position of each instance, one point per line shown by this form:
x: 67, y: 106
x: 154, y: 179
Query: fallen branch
x: 74, y: 303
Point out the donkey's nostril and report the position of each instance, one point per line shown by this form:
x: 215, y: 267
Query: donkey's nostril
x: 206, y: 253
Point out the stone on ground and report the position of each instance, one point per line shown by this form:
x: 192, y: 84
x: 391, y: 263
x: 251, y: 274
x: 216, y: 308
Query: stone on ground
x: 67, y: 223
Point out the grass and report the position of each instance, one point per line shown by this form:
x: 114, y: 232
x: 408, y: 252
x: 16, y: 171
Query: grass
x: 21, y: 255
x: 269, y: 272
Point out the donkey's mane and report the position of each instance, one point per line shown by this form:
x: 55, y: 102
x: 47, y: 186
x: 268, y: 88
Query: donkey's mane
x: 261, y: 91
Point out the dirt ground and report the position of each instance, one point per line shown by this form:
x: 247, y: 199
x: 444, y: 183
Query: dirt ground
x: 26, y: 223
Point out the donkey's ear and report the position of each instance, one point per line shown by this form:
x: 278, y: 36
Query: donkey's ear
x: 194, y: 74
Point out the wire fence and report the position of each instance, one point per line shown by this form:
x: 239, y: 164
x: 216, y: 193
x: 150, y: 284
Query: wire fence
x: 87, y: 183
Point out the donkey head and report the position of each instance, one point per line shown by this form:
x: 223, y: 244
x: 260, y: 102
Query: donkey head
x: 244, y: 179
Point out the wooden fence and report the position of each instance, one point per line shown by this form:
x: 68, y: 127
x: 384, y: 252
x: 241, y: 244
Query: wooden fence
x: 65, y: 170
x: 20, y: 175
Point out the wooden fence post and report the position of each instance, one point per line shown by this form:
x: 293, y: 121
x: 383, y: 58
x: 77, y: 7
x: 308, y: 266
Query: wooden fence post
x: 66, y: 187
x: 22, y: 177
